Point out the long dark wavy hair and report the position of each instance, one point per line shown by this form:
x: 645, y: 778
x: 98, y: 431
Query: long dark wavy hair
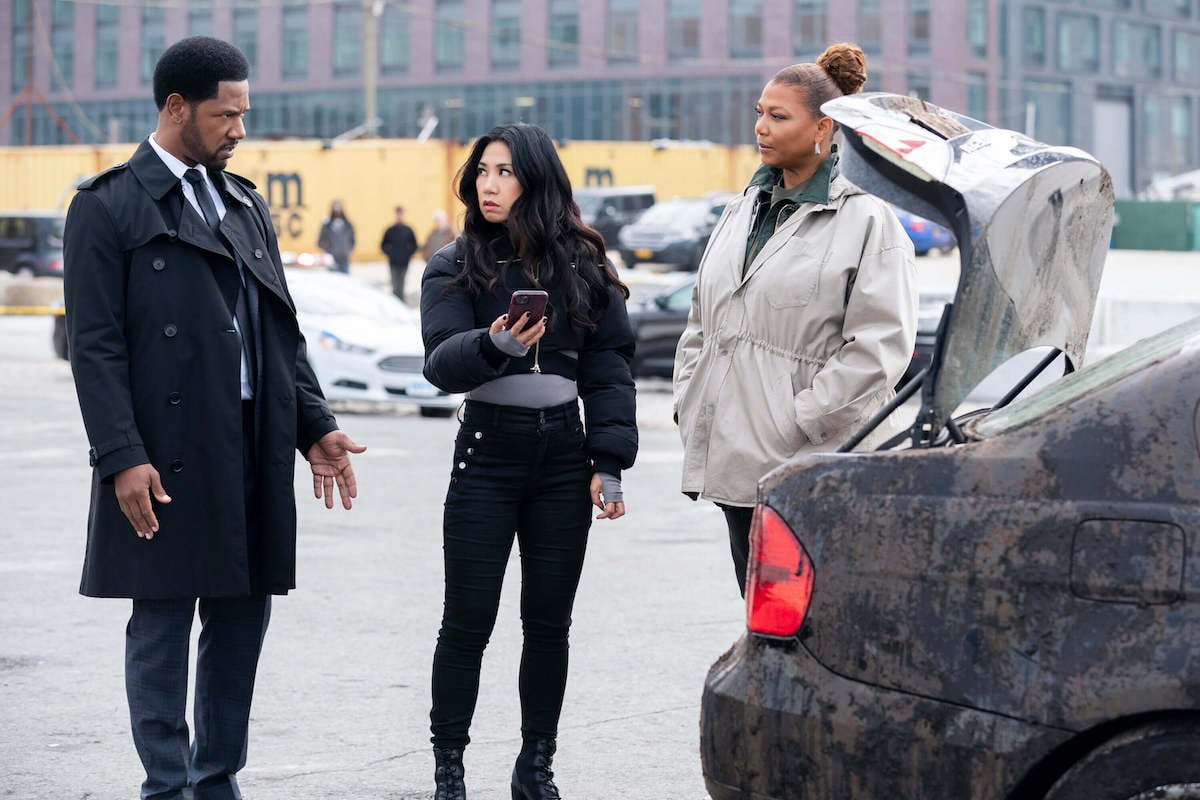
x: 557, y: 251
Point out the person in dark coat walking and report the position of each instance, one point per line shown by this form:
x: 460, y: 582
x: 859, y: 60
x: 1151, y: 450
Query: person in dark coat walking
x: 337, y: 236
x: 399, y: 243
x: 526, y: 466
x: 195, y: 393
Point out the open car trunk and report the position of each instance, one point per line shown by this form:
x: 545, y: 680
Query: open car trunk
x: 1032, y: 221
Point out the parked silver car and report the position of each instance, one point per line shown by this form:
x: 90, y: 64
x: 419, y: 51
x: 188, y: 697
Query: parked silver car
x: 363, y: 343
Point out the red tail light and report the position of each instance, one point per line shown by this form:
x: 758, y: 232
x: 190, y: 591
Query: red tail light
x: 780, y: 576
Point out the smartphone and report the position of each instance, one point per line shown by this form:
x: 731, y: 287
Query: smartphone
x: 523, y: 300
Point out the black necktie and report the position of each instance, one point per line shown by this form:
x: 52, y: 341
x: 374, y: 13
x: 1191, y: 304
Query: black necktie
x: 247, y: 299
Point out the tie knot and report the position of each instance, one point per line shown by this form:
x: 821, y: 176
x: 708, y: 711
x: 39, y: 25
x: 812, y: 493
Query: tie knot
x: 193, y: 176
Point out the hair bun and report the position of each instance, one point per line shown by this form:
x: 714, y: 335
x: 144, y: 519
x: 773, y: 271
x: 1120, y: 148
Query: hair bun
x: 846, y: 66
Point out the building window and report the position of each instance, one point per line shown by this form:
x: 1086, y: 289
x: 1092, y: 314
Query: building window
x: 977, y: 95
x: 200, y: 18
x: 918, y: 84
x: 106, y: 45
x: 1187, y: 58
x: 563, y: 32
x: 622, y: 31
x: 808, y: 27
x: 1137, y: 49
x: 62, y: 35
x: 153, y: 40
x: 1170, y: 8
x: 448, y: 43
x: 1114, y: 5
x: 977, y: 28
x: 245, y: 29
x: 295, y: 39
x: 683, y: 29
x: 1168, y: 133
x: 393, y: 40
x: 918, y: 27
x: 347, y: 38
x: 746, y: 28
x: 505, y: 34
x: 1048, y: 111
x: 870, y: 25
x: 1078, y: 43
x: 20, y: 44
x: 1033, y: 29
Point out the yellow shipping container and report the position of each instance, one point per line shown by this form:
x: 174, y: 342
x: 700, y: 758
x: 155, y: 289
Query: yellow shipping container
x: 301, y: 178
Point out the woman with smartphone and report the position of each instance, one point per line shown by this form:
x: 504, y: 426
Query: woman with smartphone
x: 524, y: 314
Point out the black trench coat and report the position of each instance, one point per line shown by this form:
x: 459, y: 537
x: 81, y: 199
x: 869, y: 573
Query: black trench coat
x: 149, y: 297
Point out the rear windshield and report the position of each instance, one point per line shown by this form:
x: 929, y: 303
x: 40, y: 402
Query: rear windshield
x: 1078, y: 384
x: 589, y: 204
x: 675, y: 212
x: 54, y: 234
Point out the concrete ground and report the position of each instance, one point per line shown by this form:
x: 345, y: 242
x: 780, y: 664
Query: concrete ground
x: 342, y: 707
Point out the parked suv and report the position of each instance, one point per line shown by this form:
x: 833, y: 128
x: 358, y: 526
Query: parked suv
x: 31, y: 242
x: 674, y: 231
x: 610, y: 208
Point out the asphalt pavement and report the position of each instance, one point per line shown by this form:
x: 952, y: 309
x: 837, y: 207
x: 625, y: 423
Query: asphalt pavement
x: 342, y: 705
x: 341, y: 709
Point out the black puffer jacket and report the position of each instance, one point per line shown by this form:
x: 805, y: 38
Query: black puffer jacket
x: 460, y: 355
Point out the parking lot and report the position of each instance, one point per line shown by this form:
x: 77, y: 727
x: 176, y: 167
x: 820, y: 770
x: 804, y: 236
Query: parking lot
x: 342, y: 705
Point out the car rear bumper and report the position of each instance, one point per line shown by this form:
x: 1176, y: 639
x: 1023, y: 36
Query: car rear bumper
x: 680, y: 252
x: 776, y: 725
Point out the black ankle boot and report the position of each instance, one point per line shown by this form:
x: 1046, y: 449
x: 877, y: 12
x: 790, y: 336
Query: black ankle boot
x: 532, y: 778
x: 448, y: 774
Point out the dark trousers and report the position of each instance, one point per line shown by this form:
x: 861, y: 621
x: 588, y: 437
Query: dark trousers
x: 156, y: 680
x: 738, y: 519
x: 157, y: 641
x: 399, y: 271
x: 523, y: 473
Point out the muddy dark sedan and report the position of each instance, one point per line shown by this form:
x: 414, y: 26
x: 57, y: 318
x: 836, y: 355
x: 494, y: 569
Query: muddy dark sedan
x: 1003, y: 604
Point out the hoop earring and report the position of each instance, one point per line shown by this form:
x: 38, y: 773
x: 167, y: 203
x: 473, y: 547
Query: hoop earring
x: 817, y: 147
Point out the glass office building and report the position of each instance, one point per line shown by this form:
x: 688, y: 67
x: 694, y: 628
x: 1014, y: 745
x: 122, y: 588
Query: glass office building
x: 1119, y: 78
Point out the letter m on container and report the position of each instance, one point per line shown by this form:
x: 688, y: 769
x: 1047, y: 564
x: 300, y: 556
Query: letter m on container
x: 779, y: 578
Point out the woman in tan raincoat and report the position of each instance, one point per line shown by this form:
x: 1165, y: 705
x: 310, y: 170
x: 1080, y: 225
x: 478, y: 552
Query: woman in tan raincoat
x: 804, y: 313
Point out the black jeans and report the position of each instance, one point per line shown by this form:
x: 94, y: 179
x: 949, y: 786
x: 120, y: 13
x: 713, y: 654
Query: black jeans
x: 523, y: 473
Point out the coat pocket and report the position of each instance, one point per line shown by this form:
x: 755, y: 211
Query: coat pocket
x: 797, y: 274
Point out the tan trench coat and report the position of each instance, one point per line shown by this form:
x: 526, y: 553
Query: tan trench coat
x: 792, y: 356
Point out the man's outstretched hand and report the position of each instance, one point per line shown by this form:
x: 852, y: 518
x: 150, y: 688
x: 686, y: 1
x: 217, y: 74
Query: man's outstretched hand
x: 329, y: 460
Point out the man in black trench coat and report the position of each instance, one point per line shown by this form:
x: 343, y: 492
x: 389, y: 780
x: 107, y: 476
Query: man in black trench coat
x: 196, y: 393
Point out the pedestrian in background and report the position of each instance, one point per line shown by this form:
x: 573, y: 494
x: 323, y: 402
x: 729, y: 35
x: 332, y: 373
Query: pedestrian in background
x: 443, y: 233
x: 803, y: 314
x: 399, y: 243
x: 337, y: 237
x: 195, y: 395
x: 525, y: 464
